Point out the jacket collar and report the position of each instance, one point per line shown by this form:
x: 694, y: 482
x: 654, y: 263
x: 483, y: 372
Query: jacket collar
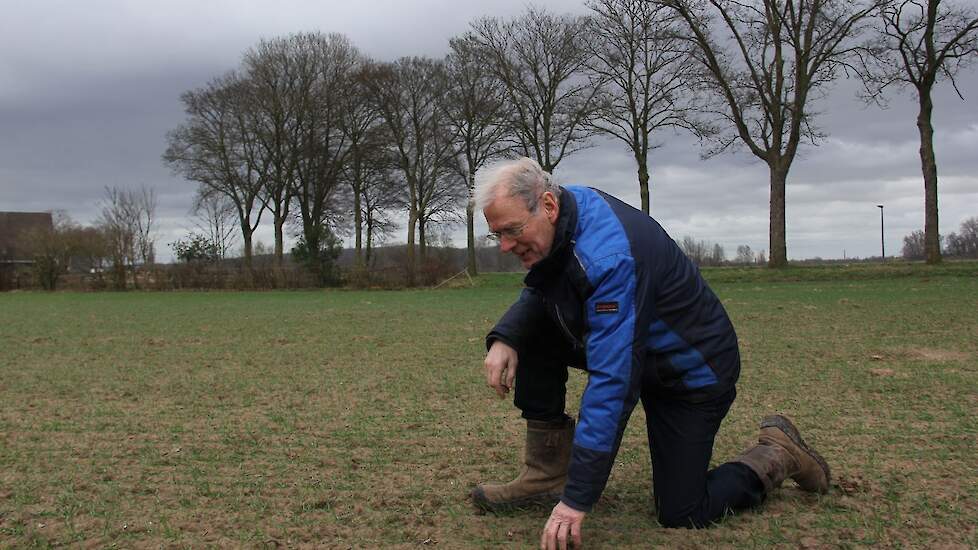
x: 563, y: 245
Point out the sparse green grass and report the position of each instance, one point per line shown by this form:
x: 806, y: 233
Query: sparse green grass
x: 361, y: 419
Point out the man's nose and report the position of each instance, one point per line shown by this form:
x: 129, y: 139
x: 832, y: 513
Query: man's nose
x: 506, y: 244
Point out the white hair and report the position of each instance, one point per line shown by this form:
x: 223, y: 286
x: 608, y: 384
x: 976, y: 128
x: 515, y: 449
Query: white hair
x: 522, y: 177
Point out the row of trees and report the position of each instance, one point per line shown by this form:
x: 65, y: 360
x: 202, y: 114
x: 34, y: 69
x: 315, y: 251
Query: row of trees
x: 318, y: 136
x: 327, y: 140
x: 764, y: 63
x: 963, y: 244
x: 703, y: 253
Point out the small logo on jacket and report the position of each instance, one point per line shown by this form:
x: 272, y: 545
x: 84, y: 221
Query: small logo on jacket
x: 606, y: 307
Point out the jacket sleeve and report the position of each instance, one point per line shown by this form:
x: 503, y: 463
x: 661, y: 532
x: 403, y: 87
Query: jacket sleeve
x: 614, y: 378
x: 517, y: 325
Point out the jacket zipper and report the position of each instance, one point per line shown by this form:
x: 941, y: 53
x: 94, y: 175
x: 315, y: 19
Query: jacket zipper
x: 560, y: 318
x: 567, y: 331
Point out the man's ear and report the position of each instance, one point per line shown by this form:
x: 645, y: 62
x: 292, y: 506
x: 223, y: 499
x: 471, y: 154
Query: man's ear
x: 551, y: 206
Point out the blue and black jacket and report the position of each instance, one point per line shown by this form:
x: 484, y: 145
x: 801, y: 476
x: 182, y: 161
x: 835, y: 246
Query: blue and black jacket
x: 636, y: 308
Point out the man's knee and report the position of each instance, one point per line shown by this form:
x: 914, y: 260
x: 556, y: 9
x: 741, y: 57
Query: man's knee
x: 679, y: 519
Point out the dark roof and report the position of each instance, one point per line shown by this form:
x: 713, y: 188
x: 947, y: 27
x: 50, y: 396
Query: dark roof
x: 12, y: 227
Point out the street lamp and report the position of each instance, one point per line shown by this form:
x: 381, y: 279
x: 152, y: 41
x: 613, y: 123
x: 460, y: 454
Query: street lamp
x: 882, y: 241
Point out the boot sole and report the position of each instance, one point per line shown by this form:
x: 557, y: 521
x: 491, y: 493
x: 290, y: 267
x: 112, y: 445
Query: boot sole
x: 526, y: 503
x: 782, y: 423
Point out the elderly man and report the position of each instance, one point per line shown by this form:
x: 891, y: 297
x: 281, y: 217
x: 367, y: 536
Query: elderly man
x: 609, y: 291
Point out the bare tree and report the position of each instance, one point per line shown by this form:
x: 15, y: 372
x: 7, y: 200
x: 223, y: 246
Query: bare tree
x: 540, y: 59
x: 362, y: 123
x: 439, y: 201
x: 744, y: 254
x: 328, y: 66
x: 475, y: 105
x: 408, y: 94
x: 920, y: 43
x: 371, y: 172
x: 702, y: 253
x: 273, y: 102
x: 215, y: 218
x: 913, y: 246
x: 126, y: 222
x: 62, y: 247
x: 765, y: 63
x: 144, y: 204
x: 964, y: 244
x: 52, y: 248
x: 718, y: 256
x: 120, y: 237
x: 697, y: 251
x: 636, y: 50
x: 381, y: 194
x: 443, y: 191
x: 119, y: 240
x: 213, y: 148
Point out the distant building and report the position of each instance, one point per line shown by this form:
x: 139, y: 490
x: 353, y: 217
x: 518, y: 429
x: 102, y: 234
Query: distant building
x: 14, y: 248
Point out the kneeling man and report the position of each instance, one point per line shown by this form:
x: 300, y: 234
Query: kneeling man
x: 608, y: 291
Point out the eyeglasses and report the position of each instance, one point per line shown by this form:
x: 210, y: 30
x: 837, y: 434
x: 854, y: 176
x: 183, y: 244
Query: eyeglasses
x: 513, y: 232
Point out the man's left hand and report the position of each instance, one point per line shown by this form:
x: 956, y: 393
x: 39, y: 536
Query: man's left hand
x: 564, y: 523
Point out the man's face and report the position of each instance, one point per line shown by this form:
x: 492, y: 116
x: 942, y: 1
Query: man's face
x: 529, y: 235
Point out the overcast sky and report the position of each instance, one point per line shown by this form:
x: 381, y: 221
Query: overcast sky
x: 88, y: 91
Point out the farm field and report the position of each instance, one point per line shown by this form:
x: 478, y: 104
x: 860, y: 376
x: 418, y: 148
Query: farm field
x: 361, y: 419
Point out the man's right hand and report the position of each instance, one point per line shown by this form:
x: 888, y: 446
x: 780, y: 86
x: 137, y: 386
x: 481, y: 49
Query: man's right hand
x: 501, y: 367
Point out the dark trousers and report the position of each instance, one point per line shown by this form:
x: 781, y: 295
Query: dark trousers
x: 681, y: 434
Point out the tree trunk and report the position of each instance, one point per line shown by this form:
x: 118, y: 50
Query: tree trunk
x: 928, y: 163
x: 313, y: 234
x: 777, y: 246
x: 120, y: 274
x: 370, y: 227
x: 643, y: 183
x: 422, y: 243
x: 132, y: 269
x: 412, y: 222
x: 279, y: 246
x: 246, y: 237
x: 358, y: 228
x: 357, y: 214
x: 470, y: 228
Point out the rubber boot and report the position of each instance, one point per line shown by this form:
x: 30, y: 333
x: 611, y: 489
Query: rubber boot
x: 781, y: 453
x: 545, y: 463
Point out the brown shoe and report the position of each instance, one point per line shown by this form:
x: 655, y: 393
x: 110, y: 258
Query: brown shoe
x: 782, y: 453
x: 546, y: 460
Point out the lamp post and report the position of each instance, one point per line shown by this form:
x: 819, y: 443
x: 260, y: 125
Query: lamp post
x: 882, y: 241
